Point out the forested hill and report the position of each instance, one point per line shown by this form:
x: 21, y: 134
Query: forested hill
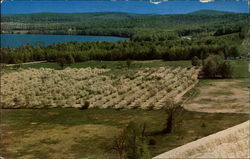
x: 211, y: 12
x: 70, y: 17
x: 152, y: 36
x: 138, y: 27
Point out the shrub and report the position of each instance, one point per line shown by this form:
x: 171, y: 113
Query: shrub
x: 211, y: 66
x: 70, y: 59
x: 61, y: 62
x: 150, y: 107
x: 128, y: 63
x: 226, y: 70
x: 104, y: 66
x: 214, y: 66
x: 152, y: 142
x: 85, y: 106
x: 203, y: 125
x: 196, y: 61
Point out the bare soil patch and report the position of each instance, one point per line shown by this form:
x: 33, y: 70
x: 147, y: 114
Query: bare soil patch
x: 221, y: 96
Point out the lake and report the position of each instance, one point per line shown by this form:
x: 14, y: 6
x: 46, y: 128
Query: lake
x: 16, y: 40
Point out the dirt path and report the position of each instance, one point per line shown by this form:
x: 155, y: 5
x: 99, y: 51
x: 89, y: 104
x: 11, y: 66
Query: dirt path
x: 27, y: 63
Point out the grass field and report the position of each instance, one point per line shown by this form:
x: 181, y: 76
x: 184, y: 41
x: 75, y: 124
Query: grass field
x: 240, y: 67
x: 109, y: 64
x: 64, y: 133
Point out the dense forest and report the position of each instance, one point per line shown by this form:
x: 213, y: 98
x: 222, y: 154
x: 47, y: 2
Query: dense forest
x: 168, y: 37
x: 138, y: 27
x: 181, y: 49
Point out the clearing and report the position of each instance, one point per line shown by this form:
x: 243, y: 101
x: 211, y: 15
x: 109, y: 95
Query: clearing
x: 220, y: 96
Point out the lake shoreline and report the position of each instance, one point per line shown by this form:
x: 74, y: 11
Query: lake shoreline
x: 15, y: 40
x: 24, y: 32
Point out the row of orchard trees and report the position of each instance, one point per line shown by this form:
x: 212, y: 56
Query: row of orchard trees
x: 181, y: 49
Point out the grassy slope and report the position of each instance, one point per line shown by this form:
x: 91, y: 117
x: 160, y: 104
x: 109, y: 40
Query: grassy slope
x: 110, y: 64
x: 240, y: 66
x: 27, y: 121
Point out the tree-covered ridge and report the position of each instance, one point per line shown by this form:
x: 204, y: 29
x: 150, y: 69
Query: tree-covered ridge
x: 138, y: 27
x: 211, y: 12
x: 169, y: 37
x: 69, y: 17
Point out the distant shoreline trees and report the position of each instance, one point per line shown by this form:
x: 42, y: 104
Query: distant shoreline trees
x: 179, y: 49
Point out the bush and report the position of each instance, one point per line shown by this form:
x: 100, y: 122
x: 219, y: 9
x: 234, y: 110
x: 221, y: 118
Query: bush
x: 128, y: 63
x: 65, y: 59
x: 226, y: 70
x: 61, y: 62
x: 203, y: 125
x: 70, y: 59
x: 215, y: 66
x: 152, y: 142
x: 211, y: 66
x: 104, y: 66
x: 85, y: 106
x: 196, y: 61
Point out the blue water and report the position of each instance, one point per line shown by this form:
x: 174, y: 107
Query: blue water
x: 16, y: 40
x: 140, y: 7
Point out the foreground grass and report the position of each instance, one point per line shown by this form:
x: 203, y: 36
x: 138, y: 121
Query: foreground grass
x: 52, y: 133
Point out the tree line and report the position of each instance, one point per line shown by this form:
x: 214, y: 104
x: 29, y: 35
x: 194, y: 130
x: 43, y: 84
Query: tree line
x: 179, y: 49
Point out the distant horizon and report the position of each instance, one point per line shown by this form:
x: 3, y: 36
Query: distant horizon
x: 126, y: 12
x: 132, y: 7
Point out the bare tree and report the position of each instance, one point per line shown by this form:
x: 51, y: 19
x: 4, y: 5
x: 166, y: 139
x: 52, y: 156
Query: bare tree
x: 119, y: 145
x: 172, y: 109
x: 131, y: 143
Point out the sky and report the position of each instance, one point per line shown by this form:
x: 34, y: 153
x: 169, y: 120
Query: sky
x: 139, y: 7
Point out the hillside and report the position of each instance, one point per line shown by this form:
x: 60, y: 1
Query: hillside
x: 210, y: 12
x: 134, y: 26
